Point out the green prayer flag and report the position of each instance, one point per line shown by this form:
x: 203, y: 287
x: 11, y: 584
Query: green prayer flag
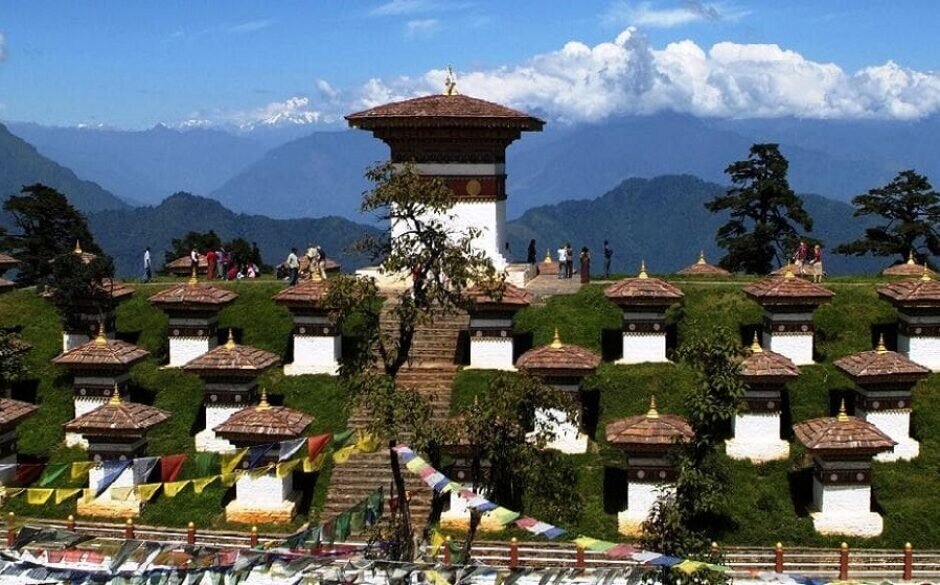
x: 357, y: 519
x: 53, y: 473
x: 341, y: 439
x: 206, y: 464
x: 341, y: 531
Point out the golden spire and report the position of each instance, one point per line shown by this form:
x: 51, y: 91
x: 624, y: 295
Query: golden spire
x: 78, y: 247
x: 115, y: 396
x: 263, y: 404
x: 556, y: 342
x: 910, y: 257
x: 643, y: 270
x: 701, y: 257
x: 926, y: 275
x: 548, y: 256
x: 652, y: 412
x: 193, y: 279
x: 101, y: 340
x: 315, y: 272
x: 450, y: 83
x: 881, y: 348
x: 789, y: 272
x: 755, y: 345
x: 230, y: 344
x: 842, y: 416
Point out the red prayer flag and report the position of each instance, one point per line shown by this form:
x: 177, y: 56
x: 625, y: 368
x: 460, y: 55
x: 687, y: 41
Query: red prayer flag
x: 316, y: 444
x: 170, y: 467
x: 27, y: 473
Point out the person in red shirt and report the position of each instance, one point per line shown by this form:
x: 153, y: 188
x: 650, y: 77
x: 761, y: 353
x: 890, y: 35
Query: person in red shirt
x: 210, y: 261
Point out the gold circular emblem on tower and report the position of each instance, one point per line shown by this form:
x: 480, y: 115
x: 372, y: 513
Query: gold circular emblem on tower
x: 473, y: 187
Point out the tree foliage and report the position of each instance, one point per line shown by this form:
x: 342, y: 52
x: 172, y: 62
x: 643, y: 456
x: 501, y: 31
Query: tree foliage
x: 46, y: 227
x: 77, y: 286
x: 202, y: 242
x: 910, y: 209
x: 764, y: 212
x: 13, y: 366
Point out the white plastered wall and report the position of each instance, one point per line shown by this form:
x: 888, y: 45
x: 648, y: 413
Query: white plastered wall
x: 315, y: 355
x: 646, y: 347
x: 491, y: 353
x: 756, y: 437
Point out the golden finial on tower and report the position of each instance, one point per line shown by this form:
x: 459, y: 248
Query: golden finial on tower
x: 881, y: 348
x: 230, y: 344
x: 910, y: 257
x: 315, y: 272
x: 78, y: 248
x: 926, y: 275
x: 101, y: 340
x: 556, y: 342
x: 193, y: 278
x: 701, y: 257
x: 450, y: 82
x: 548, y: 256
x: 263, y: 403
x: 789, y: 272
x: 842, y: 416
x: 755, y: 344
x: 652, y: 412
x: 115, y: 396
x: 643, y: 270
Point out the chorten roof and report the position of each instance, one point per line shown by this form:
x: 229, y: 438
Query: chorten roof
x: 232, y: 358
x: 787, y: 290
x: 193, y: 296
x: 85, y: 257
x: 184, y: 264
x: 881, y: 365
x: 119, y: 290
x: 101, y: 352
x: 650, y: 430
x: 264, y: 423
x: 7, y: 262
x: 118, y: 417
x: 559, y: 359
x: 642, y: 289
x: 842, y: 434
x: 763, y: 364
x: 14, y: 411
x: 913, y: 292
x: 305, y: 294
x: 443, y: 111
x: 511, y: 298
x: 909, y: 268
x: 703, y: 268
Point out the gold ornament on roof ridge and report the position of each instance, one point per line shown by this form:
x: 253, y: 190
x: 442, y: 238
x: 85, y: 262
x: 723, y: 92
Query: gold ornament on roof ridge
x: 556, y: 342
x: 450, y: 82
x: 843, y: 415
x: 230, y: 344
x: 101, y: 340
x: 643, y: 273
x: 881, y: 348
x: 701, y: 257
x: 652, y: 412
x: 755, y: 344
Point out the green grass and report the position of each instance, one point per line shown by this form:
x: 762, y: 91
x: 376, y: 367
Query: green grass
x: 263, y: 325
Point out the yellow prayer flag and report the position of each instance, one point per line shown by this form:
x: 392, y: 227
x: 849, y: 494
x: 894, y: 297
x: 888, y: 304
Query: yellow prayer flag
x: 38, y: 497
x: 285, y: 469
x: 261, y: 471
x: 315, y: 464
x: 367, y: 442
x: 435, y: 578
x: 437, y: 539
x: 342, y: 455
x: 146, y: 491
x: 121, y: 494
x: 231, y: 460
x: 174, y: 487
x: 12, y: 492
x: 88, y: 494
x: 228, y: 479
x: 65, y: 494
x: 80, y: 469
x: 203, y: 482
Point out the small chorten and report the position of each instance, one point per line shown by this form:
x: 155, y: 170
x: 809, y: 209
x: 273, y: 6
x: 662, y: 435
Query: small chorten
x: 789, y: 303
x: 116, y: 433
x: 491, y: 330
x: 908, y: 269
x: 12, y: 413
x: 917, y: 301
x: 183, y: 266
x: 318, y: 344
x: 99, y: 368
x: 563, y: 367
x: 756, y: 426
x: 193, y: 311
x: 263, y: 498
x: 230, y: 373
x: 842, y: 448
x: 884, y: 383
x: 644, y: 302
x: 646, y: 440
x: 703, y: 268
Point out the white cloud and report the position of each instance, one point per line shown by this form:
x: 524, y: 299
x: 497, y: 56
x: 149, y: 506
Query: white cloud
x: 645, y: 14
x: 627, y: 75
x: 250, y: 26
x: 422, y: 28
x: 3, y: 47
x: 399, y: 7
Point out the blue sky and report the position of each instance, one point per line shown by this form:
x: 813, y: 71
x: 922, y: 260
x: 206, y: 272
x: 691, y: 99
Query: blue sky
x: 133, y: 64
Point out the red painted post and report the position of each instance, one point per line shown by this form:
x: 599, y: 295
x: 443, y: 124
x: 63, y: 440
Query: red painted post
x: 908, y: 562
x: 579, y: 558
x: 778, y: 558
x: 844, y: 562
x: 11, y: 530
x: 513, y: 553
x: 447, y: 551
x: 129, y: 529
x: 253, y: 537
x: 70, y: 523
x: 191, y: 533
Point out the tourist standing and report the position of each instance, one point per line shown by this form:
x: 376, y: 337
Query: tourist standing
x: 800, y: 257
x: 585, y: 258
x: 194, y: 260
x: 817, y: 263
x: 569, y: 260
x: 211, y: 259
x: 293, y: 266
x: 148, y: 267
x: 562, y: 261
x: 321, y: 262
x: 530, y: 253
x: 608, y: 254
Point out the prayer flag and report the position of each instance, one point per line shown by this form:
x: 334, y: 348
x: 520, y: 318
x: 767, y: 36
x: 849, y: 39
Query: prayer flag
x: 257, y: 453
x: 121, y: 493
x: 435, y: 578
x: 203, y: 482
x: 316, y: 444
x: 416, y: 464
x: 143, y: 467
x: 688, y: 566
x: 12, y: 492
x: 112, y: 471
x: 367, y: 442
x: 664, y: 561
x: 206, y: 464
x: 503, y: 515
x: 285, y: 469
x: 437, y: 539
x: 342, y: 526
x: 80, y: 469
x: 146, y: 491
x: 311, y: 465
x: 52, y: 473
x: 170, y: 467
x: 288, y: 449
x: 260, y: 471
x: 174, y: 487
x: 342, y: 455
x: 342, y: 439
x: 38, y: 497
x: 230, y: 461
x: 228, y: 479
x: 26, y: 473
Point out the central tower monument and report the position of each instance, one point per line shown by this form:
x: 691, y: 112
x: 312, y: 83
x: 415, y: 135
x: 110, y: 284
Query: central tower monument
x: 462, y: 141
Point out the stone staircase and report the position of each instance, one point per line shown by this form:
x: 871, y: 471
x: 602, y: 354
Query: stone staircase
x: 431, y: 372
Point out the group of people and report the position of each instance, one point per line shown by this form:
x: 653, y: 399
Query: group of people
x: 566, y: 260
x: 808, y: 262
x: 314, y: 260
x: 224, y: 265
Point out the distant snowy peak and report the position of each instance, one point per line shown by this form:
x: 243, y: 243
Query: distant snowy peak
x: 290, y: 119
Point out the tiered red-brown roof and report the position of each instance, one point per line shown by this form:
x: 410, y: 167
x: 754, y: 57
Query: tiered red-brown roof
x: 309, y: 293
x: 703, y: 268
x: 183, y: 265
x: 6, y: 263
x: 264, y: 424
x: 505, y: 298
x: 232, y: 359
x: 116, y: 417
x: 643, y: 290
x: 842, y: 435
x: 652, y: 430
x: 559, y: 359
x: 909, y: 269
x: 12, y: 412
x: 119, y: 290
x: 85, y: 257
x: 101, y: 352
x: 193, y: 296
x: 881, y: 365
x: 920, y: 292
x: 444, y: 110
x: 787, y: 290
x: 765, y: 365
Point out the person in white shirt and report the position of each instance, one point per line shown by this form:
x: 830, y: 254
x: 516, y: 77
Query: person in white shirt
x: 562, y: 261
x: 293, y: 265
x: 148, y: 267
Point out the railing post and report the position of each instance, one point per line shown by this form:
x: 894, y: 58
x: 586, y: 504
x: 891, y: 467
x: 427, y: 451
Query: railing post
x: 129, y: 529
x: 253, y: 537
x: 908, y: 562
x: 778, y: 558
x: 513, y: 553
x: 191, y: 533
x: 11, y: 530
x: 447, y: 551
x: 70, y: 523
x: 579, y: 557
x: 844, y: 562
x: 714, y: 551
